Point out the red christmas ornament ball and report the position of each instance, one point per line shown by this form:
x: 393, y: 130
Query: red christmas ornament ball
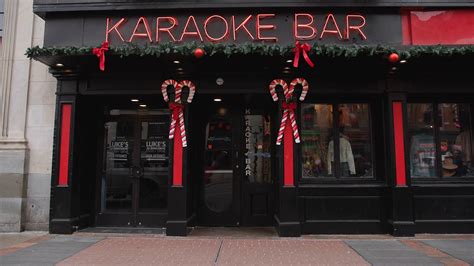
x: 393, y: 57
x: 198, y: 52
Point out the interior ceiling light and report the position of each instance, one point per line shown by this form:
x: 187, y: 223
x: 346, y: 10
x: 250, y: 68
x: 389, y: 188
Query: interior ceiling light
x: 403, y: 61
x: 59, y: 65
x: 217, y: 100
x: 176, y: 61
x: 134, y: 100
x: 289, y: 61
x: 142, y: 105
x: 394, y: 68
x: 179, y: 69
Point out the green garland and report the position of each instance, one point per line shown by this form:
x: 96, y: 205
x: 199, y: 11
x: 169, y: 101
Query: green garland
x: 347, y: 51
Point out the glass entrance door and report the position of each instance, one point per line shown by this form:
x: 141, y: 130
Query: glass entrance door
x: 258, y: 180
x: 134, y: 180
x: 237, y: 185
x: 221, y: 167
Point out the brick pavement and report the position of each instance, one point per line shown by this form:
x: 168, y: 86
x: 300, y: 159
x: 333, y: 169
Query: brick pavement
x: 147, y: 251
x: 287, y: 252
x: 236, y: 249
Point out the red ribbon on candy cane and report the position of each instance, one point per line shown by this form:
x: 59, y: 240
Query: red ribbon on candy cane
x: 288, y: 113
x: 176, y: 107
x: 288, y: 107
x: 304, y: 49
x: 100, y: 53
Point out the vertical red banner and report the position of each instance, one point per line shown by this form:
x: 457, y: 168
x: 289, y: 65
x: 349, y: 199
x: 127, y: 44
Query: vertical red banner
x: 64, y: 146
x: 288, y: 172
x: 399, y: 142
x: 177, y: 158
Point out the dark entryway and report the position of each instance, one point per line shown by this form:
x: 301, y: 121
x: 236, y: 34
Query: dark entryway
x: 134, y: 179
x: 237, y: 185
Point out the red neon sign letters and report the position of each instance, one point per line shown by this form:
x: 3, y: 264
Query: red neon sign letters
x: 217, y: 28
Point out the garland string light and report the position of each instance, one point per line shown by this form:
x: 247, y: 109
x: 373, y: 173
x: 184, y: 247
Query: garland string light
x: 211, y: 49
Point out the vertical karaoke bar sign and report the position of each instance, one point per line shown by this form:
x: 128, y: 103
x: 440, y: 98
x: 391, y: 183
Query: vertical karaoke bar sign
x: 248, y: 146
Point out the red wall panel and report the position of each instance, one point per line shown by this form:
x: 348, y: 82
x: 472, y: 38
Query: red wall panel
x: 64, y: 144
x: 400, y: 165
x: 438, y: 27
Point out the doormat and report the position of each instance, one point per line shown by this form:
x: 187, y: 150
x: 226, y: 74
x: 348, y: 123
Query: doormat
x: 122, y: 230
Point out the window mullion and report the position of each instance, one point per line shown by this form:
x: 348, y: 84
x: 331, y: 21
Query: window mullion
x: 437, y: 125
x: 337, y: 155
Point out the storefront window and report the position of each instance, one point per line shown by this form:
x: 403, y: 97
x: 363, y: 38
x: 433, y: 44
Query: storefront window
x: 354, y: 140
x: 444, y: 150
x: 455, y: 139
x: 422, y: 143
x: 350, y: 154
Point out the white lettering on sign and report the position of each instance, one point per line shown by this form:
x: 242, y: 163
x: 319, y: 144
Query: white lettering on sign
x: 248, y: 135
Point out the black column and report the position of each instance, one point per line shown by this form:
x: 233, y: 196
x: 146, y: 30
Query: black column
x: 65, y: 198
x: 286, y: 215
x: 179, y: 198
x: 401, y: 219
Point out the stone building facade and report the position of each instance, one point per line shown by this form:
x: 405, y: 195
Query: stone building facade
x: 27, y: 100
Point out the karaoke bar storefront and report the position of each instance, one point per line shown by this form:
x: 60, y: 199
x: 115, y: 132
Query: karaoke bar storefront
x: 218, y: 117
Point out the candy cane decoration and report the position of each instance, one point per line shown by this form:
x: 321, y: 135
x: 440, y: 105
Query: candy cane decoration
x: 273, y: 85
x: 288, y: 106
x: 304, y: 84
x: 164, y: 87
x: 192, y: 89
x: 176, y: 107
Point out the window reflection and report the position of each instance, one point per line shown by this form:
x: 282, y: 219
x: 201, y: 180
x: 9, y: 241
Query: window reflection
x: 154, y: 164
x: 455, y: 139
x: 116, y: 183
x: 422, y: 144
x: 257, y: 149
x: 354, y: 141
x: 316, y: 133
x: 452, y: 136
x: 218, y: 173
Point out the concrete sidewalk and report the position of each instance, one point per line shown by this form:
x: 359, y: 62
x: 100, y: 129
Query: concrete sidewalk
x: 234, y: 247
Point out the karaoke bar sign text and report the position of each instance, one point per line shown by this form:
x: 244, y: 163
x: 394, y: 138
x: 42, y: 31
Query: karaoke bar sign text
x: 231, y: 28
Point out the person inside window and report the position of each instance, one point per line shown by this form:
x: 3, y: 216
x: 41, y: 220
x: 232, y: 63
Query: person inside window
x: 449, y: 167
x: 346, y: 156
x: 455, y: 137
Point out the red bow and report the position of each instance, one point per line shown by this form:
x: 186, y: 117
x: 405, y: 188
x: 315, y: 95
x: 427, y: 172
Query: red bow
x: 100, y: 53
x: 305, y: 48
x: 288, y: 106
x: 288, y: 114
x: 175, y: 109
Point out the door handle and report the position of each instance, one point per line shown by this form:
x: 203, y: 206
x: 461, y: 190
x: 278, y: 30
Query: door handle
x: 137, y: 172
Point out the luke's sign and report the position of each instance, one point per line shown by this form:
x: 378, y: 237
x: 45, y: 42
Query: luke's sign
x: 263, y: 27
